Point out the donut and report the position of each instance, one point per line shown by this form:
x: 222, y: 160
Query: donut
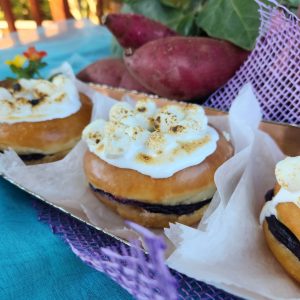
x: 136, y: 194
x: 46, y: 140
x: 280, y: 217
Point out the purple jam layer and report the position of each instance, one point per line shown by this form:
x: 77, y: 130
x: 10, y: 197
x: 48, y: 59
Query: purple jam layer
x: 282, y: 233
x: 29, y: 157
x: 182, y: 209
x: 269, y: 195
x: 32, y: 156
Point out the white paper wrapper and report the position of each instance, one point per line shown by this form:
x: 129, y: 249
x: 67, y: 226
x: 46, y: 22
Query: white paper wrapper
x: 228, y: 249
x: 236, y: 257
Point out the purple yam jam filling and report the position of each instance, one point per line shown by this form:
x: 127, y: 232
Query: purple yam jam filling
x: 32, y: 156
x: 269, y: 195
x: 181, y: 209
x: 282, y: 233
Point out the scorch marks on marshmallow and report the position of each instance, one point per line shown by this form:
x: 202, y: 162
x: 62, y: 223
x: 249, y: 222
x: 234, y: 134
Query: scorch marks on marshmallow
x: 153, y: 141
x: 35, y: 100
x: 287, y: 174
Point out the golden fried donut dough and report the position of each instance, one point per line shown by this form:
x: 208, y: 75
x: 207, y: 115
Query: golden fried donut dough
x: 288, y: 214
x: 189, y: 185
x: 46, y: 137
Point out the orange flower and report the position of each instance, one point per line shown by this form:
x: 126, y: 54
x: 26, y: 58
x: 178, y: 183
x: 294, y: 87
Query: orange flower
x: 33, y: 55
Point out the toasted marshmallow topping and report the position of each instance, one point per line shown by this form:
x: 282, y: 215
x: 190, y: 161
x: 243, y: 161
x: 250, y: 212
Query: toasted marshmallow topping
x: 157, y: 142
x: 287, y: 174
x: 35, y: 100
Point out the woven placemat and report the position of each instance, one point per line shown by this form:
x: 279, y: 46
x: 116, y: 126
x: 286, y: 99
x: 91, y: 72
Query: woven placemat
x: 87, y: 241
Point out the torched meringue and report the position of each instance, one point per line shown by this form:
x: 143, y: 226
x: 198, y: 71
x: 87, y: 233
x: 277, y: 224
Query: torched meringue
x: 287, y: 174
x: 157, y: 142
x: 35, y: 100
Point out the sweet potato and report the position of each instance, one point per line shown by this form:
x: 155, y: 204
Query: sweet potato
x: 184, y: 67
x: 133, y: 31
x: 129, y: 83
x: 107, y: 71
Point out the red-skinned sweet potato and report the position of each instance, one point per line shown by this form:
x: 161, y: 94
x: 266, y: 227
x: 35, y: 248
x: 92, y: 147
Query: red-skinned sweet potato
x: 112, y: 72
x: 184, y: 67
x: 133, y: 30
x: 129, y: 83
x: 107, y: 71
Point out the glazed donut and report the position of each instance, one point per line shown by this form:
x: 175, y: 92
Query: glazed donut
x: 155, y: 202
x: 281, y: 217
x: 46, y: 141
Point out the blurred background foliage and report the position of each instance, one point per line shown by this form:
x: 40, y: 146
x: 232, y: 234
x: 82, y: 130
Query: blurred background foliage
x: 79, y: 8
x: 21, y: 9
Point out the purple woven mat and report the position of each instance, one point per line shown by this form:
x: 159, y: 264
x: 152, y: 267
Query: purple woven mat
x: 89, y: 242
x: 273, y: 68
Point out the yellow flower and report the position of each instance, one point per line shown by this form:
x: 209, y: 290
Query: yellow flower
x: 18, y: 61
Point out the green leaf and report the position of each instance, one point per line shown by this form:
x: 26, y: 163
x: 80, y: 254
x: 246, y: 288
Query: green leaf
x: 292, y: 5
x: 180, y: 19
x: 42, y: 65
x: 154, y: 10
x: 175, y: 3
x: 290, y: 2
x: 186, y: 25
x: 233, y: 20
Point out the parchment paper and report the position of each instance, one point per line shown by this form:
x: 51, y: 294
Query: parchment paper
x: 228, y: 249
